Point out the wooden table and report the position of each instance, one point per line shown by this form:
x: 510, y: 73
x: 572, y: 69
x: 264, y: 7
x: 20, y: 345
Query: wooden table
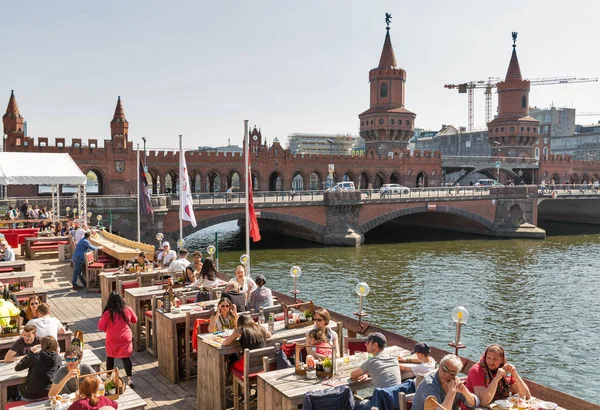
x: 108, y: 281
x: 64, y: 341
x: 26, y: 293
x: 284, y: 389
x: 25, y: 279
x: 120, y: 248
x: 212, y: 360
x: 129, y: 400
x: 18, y: 266
x: 28, y: 241
x: 10, y: 377
x: 139, y: 299
x: 167, y: 325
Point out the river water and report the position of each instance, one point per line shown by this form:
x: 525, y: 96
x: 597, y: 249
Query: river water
x: 538, y: 299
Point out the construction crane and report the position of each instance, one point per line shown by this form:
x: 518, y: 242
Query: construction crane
x: 492, y: 82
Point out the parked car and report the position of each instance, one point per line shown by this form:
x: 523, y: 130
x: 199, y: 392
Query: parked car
x: 344, y: 186
x: 487, y: 182
x: 395, y: 189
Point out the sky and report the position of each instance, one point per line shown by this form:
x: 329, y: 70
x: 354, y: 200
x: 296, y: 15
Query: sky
x: 200, y: 68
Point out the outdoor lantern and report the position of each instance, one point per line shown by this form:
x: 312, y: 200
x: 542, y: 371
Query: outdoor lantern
x: 244, y: 259
x: 295, y: 273
x: 159, y: 238
x: 362, y: 290
x: 211, y: 250
x: 460, y: 316
x: 68, y: 209
x: 99, y: 219
x: 89, y: 214
x: 180, y: 243
x: 74, y: 211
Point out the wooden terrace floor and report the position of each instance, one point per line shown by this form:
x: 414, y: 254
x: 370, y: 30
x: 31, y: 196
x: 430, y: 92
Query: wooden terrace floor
x: 82, y: 310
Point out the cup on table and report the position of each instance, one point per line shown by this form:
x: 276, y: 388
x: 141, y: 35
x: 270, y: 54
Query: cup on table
x: 346, y: 357
x: 357, y: 356
x: 296, y: 317
x: 218, y: 294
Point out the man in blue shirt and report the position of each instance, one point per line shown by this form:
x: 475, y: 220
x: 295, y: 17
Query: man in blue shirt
x: 82, y: 247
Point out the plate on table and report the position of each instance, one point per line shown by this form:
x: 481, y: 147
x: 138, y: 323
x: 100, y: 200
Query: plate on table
x: 547, y: 405
x: 504, y: 404
x: 185, y: 308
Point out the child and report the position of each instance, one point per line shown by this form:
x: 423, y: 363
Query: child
x: 317, y: 338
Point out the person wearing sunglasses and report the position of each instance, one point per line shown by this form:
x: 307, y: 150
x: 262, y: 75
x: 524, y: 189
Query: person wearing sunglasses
x: 445, y: 386
x: 321, y: 318
x: 25, y: 344
x: 9, y: 253
x: 492, y: 378
x: 6, y: 294
x: 31, y: 311
x: 225, y: 317
x: 64, y: 381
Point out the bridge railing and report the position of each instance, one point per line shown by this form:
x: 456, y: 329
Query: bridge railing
x: 569, y: 189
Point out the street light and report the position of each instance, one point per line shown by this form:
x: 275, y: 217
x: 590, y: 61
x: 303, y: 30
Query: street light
x: 460, y: 316
x: 295, y: 273
x: 330, y: 176
x: 362, y: 290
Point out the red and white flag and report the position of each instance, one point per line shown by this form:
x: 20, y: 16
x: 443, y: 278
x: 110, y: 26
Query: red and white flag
x: 186, y: 208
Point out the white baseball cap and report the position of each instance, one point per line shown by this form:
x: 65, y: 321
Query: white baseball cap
x: 166, y: 244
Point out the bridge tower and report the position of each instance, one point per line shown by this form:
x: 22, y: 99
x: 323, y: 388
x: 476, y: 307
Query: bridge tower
x: 255, y: 140
x: 387, y: 125
x: 513, y: 132
x: 13, y: 122
x: 119, y: 127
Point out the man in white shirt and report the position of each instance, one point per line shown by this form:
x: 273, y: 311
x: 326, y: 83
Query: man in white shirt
x: 9, y: 253
x: 167, y: 255
x: 179, y: 264
x: 79, y: 233
x: 45, y: 324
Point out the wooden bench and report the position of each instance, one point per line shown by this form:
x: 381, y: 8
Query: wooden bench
x: 36, y: 247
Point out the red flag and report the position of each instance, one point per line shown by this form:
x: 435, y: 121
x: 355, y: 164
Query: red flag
x: 254, y: 231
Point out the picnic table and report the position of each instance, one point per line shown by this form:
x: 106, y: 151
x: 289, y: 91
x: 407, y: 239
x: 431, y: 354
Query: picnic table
x: 10, y: 377
x: 212, y: 362
x: 108, y: 280
x: 129, y: 400
x: 64, y: 341
x: 285, y: 390
x: 25, y: 279
x: 167, y: 326
x: 140, y: 299
x: 18, y: 266
x: 26, y: 249
x: 25, y: 293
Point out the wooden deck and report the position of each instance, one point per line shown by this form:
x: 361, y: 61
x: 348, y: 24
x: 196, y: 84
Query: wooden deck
x: 82, y: 310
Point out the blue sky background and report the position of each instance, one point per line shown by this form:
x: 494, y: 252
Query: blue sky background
x: 200, y: 68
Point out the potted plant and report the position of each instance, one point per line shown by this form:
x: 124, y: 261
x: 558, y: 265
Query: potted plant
x: 327, y: 365
x: 109, y: 386
x: 308, y: 315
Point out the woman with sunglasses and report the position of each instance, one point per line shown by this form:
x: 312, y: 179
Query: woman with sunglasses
x: 8, y: 295
x: 321, y: 317
x: 31, y: 311
x: 225, y: 317
x: 492, y: 378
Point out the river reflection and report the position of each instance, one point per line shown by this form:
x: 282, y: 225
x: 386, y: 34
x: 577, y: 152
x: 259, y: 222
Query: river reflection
x: 536, y: 298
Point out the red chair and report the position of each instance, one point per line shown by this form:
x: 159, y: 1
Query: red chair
x: 356, y: 344
x: 128, y: 284
x: 92, y: 270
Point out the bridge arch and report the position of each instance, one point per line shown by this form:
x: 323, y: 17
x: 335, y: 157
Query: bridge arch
x: 375, y: 222
x: 95, y: 182
x: 213, y: 181
x: 395, y: 178
x: 172, y: 181
x: 585, y: 177
x: 256, y: 178
x: 315, y: 181
x: 422, y: 180
x: 196, y: 183
x: 348, y: 176
x: 364, y: 179
x: 155, y: 180
x: 276, y: 181
x: 299, y: 180
x: 379, y: 179
x: 575, y: 178
x: 234, y: 180
x: 556, y: 178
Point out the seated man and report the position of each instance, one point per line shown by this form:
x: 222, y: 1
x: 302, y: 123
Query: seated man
x: 25, y: 344
x: 167, y: 255
x: 6, y: 294
x: 47, y: 325
x: 179, y: 264
x: 422, y: 365
x: 445, y: 386
x: 64, y: 379
x: 9, y: 253
x: 8, y: 311
x: 238, y: 299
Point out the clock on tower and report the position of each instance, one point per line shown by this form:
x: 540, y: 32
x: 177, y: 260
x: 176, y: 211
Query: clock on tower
x: 255, y: 139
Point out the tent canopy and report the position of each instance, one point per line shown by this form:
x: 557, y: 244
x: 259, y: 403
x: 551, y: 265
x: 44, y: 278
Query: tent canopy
x: 36, y: 168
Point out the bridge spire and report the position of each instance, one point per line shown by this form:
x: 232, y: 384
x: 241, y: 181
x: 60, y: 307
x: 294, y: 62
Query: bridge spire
x: 119, y: 126
x: 12, y: 120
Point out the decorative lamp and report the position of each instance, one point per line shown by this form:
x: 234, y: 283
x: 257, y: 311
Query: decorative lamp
x: 74, y: 211
x: 68, y: 209
x: 99, y: 219
x: 180, y: 243
x: 362, y: 290
x: 89, y: 214
x: 211, y: 250
x: 295, y: 273
x: 159, y: 238
x: 245, y: 259
x: 460, y: 316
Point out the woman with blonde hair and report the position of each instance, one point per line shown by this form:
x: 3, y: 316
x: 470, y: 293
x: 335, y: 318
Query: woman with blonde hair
x: 30, y: 312
x: 225, y: 317
x: 88, y: 398
x: 246, y: 283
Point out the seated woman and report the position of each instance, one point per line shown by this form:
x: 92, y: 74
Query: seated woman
x: 189, y: 275
x: 322, y: 318
x: 262, y: 297
x: 140, y: 260
x: 42, y: 368
x: 207, y: 278
x: 224, y: 318
x: 422, y: 365
x: 88, y: 398
x: 246, y: 283
x: 251, y: 335
x: 317, y: 338
x: 30, y: 312
x: 492, y: 378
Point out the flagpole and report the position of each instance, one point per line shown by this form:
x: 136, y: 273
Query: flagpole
x: 180, y: 187
x: 137, y: 167
x: 247, y: 185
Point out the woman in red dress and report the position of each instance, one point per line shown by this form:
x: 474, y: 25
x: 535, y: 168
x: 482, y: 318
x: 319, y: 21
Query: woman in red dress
x: 116, y: 321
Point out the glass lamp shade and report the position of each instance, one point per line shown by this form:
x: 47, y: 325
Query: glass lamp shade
x: 66, y: 209
x: 362, y: 289
x: 245, y: 258
x: 460, y: 315
x: 160, y: 236
x: 74, y: 210
x: 89, y: 214
x: 211, y: 249
x: 295, y: 271
x: 180, y: 243
x: 99, y: 217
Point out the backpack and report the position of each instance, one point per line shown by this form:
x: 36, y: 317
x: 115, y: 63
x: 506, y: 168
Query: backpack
x: 78, y: 339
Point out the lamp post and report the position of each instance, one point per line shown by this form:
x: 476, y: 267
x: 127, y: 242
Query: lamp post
x: 331, y: 168
x: 159, y: 238
x: 460, y: 316
x: 180, y: 243
x: 99, y: 219
x: 89, y: 217
x: 362, y: 290
x: 295, y: 273
x: 211, y: 251
x: 68, y: 209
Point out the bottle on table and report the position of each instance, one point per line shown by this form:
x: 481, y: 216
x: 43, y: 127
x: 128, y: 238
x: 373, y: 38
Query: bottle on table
x: 271, y: 323
x: 101, y: 390
x: 261, y: 316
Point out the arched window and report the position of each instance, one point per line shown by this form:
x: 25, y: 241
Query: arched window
x: 545, y: 152
x: 197, y: 183
x: 298, y: 183
x: 94, y: 183
x: 537, y: 152
x: 524, y: 101
x: 383, y: 90
x: 315, y: 181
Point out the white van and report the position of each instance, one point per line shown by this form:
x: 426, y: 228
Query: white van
x: 344, y: 186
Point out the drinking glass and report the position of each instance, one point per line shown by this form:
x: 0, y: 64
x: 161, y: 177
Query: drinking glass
x: 218, y: 294
x: 357, y: 357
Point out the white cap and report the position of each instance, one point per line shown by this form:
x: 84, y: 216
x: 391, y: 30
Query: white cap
x: 166, y: 244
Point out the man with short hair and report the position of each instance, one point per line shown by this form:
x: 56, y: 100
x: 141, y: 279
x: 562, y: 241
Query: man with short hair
x: 9, y: 253
x: 232, y: 292
x: 78, y: 258
x: 445, y: 386
x: 45, y: 324
x: 25, y: 344
x: 179, y: 264
x: 167, y: 255
x: 80, y: 233
x: 63, y: 381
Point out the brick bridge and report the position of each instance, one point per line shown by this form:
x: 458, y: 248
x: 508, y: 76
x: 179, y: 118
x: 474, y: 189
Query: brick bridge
x: 343, y: 218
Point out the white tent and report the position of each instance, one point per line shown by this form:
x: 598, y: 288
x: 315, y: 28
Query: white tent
x: 36, y: 168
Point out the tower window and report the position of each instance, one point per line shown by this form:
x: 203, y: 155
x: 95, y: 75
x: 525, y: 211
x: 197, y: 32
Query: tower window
x: 383, y: 90
x: 524, y: 101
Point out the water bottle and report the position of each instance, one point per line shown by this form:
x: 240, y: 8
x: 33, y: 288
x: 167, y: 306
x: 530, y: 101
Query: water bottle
x: 261, y: 316
x: 101, y: 389
x: 507, y: 377
x: 271, y: 323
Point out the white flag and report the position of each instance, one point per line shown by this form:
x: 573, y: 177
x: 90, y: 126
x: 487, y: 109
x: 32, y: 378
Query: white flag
x: 186, y: 209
